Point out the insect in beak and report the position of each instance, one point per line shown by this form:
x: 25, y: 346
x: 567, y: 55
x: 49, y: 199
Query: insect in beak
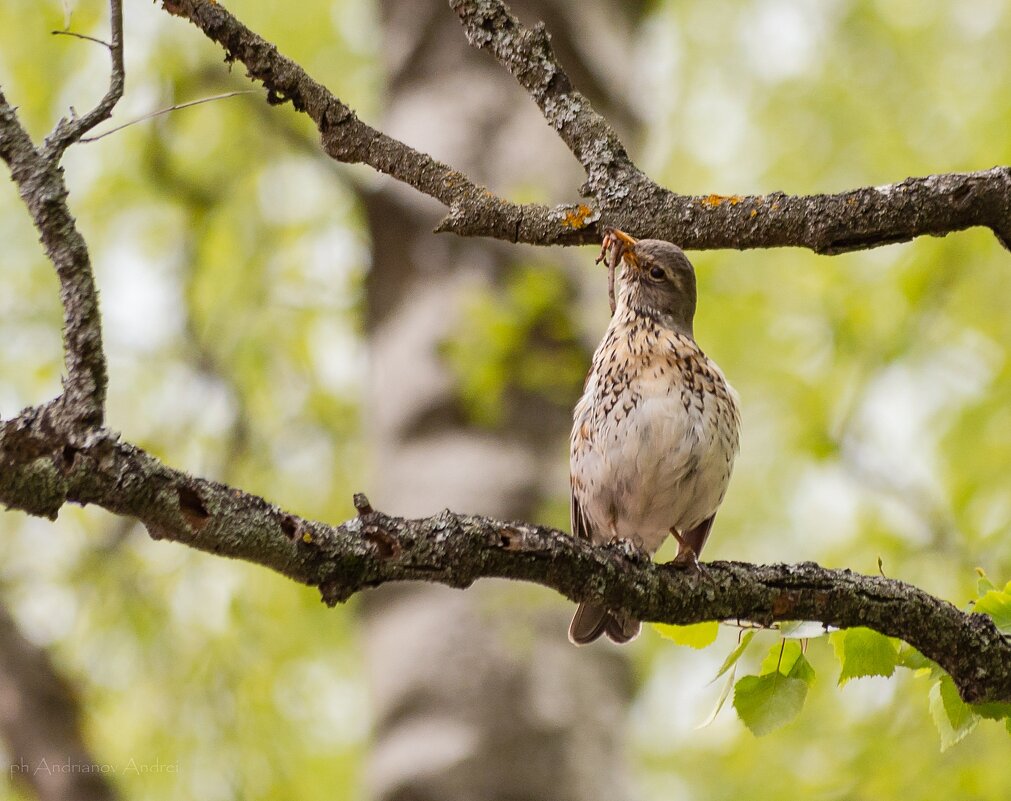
x: 617, y: 245
x: 615, y: 238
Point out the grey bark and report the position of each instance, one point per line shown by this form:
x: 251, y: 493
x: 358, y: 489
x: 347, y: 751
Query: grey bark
x: 616, y: 192
x: 461, y: 711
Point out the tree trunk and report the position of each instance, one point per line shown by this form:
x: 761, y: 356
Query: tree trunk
x: 477, y: 695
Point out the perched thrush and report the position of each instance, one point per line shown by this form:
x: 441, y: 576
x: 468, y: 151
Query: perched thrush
x: 655, y: 433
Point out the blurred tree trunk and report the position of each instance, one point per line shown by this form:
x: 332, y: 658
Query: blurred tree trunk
x: 477, y: 695
x: 40, y: 724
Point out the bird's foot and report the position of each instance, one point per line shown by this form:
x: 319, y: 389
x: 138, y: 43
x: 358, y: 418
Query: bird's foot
x: 687, y: 558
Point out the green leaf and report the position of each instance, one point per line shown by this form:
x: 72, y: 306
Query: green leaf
x: 912, y: 659
x: 780, y: 657
x: 802, y: 670
x: 952, y: 716
x: 863, y: 652
x: 992, y: 711
x: 766, y: 703
x: 724, y: 694
x: 787, y: 658
x: 736, y: 654
x: 983, y: 583
x: 698, y: 635
x: 997, y: 605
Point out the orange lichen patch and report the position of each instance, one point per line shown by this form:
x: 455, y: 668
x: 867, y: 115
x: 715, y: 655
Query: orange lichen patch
x: 577, y: 218
x: 712, y: 201
x: 754, y: 212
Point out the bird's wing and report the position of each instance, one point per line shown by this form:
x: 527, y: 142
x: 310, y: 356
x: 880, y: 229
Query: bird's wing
x: 580, y: 525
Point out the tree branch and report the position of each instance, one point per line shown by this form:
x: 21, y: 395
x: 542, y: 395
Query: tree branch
x: 347, y: 139
x: 621, y: 194
x: 39, y: 179
x: 68, y: 131
x: 39, y: 472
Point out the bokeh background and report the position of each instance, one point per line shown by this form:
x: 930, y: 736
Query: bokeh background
x: 291, y: 326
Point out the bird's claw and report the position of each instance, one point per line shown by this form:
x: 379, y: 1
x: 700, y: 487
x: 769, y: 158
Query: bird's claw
x: 688, y: 559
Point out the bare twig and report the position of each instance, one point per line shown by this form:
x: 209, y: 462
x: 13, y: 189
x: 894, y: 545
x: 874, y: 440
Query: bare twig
x: 162, y: 111
x: 853, y: 220
x: 83, y: 36
x: 347, y: 139
x: 39, y: 179
x: 612, y: 178
x: 68, y: 131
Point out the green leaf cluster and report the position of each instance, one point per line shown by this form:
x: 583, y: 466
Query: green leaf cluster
x: 775, y: 696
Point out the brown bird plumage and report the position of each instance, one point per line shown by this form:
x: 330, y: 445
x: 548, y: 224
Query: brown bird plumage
x: 655, y: 433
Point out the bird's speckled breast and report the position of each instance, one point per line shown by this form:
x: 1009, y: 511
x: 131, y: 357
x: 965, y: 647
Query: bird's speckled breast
x: 654, y: 435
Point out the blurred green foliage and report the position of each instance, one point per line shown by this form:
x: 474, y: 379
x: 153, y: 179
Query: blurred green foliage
x: 522, y: 338
x: 876, y: 387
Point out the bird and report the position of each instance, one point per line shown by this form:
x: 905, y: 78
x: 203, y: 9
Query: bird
x: 657, y: 429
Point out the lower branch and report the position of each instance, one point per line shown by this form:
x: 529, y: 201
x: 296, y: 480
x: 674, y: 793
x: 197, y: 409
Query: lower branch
x: 42, y: 466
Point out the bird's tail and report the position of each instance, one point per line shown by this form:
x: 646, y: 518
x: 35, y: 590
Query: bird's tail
x: 591, y: 620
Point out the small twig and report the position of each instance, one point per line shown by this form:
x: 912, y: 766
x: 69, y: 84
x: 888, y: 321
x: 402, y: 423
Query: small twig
x: 362, y: 505
x: 69, y: 131
x: 158, y: 113
x: 84, y: 36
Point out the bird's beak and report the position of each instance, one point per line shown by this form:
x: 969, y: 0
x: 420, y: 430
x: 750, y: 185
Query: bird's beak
x: 628, y: 242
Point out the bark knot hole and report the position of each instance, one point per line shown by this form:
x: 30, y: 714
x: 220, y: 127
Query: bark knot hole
x: 192, y: 508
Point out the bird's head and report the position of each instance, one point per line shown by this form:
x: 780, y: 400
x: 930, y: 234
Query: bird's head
x: 657, y: 279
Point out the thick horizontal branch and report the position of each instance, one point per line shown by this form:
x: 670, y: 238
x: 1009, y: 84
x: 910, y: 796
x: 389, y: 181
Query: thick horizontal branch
x: 42, y: 466
x: 853, y: 220
x: 618, y: 192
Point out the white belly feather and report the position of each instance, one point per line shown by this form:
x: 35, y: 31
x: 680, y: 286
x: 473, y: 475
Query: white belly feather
x: 661, y: 458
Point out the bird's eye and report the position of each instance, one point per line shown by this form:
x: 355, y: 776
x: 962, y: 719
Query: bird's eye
x: 657, y: 273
